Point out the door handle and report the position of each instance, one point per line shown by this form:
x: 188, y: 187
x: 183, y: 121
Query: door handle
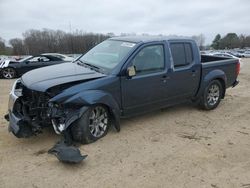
x: 193, y: 72
x: 165, y: 78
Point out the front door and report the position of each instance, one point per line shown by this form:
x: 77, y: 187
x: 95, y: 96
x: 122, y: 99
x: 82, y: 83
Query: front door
x: 147, y: 88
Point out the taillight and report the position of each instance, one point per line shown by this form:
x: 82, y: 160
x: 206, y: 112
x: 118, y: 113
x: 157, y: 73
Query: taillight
x: 238, y: 68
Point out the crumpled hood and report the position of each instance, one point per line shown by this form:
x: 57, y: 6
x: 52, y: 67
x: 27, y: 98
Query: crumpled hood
x: 44, y: 78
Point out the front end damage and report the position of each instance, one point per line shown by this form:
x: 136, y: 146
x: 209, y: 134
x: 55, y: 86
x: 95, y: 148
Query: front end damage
x: 30, y: 111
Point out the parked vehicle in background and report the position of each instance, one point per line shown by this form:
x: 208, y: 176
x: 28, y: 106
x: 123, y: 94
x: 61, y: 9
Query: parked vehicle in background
x: 236, y: 54
x: 226, y: 54
x: 120, y: 77
x: 61, y: 56
x: 2, y: 59
x: 74, y: 56
x: 11, y: 69
x: 246, y: 54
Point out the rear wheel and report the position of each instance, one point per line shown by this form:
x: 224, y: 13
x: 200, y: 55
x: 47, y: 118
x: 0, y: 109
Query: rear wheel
x: 93, y: 125
x: 8, y: 73
x: 212, y: 95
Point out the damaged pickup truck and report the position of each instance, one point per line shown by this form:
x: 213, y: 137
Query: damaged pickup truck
x: 120, y: 77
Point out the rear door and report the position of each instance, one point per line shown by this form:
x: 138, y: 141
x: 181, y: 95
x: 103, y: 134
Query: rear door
x: 184, y: 78
x: 147, y: 88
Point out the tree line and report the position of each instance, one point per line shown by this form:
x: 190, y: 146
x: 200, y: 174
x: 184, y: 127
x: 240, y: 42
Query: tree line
x: 231, y: 41
x: 46, y: 40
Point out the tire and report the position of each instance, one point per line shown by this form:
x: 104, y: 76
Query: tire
x: 88, y: 128
x: 8, y: 73
x: 212, y: 95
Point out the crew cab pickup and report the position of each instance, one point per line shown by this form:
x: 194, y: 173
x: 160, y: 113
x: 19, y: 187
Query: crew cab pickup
x: 120, y: 77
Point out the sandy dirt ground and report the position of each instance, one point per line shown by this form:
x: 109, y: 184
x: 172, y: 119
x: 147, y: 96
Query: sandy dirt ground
x: 180, y: 146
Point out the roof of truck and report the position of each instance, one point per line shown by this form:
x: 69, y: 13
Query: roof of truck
x: 137, y: 39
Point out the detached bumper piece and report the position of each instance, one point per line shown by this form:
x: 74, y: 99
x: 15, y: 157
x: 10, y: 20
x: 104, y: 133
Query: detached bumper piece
x: 67, y: 154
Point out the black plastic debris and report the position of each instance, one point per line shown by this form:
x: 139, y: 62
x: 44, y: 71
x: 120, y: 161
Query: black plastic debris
x: 6, y: 117
x: 67, y: 154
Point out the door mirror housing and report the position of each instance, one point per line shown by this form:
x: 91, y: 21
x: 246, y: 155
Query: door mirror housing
x: 131, y: 71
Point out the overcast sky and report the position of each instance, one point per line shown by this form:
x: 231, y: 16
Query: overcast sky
x: 179, y: 17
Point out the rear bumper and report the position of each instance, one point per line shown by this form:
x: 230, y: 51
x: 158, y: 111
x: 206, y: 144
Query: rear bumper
x: 235, y: 83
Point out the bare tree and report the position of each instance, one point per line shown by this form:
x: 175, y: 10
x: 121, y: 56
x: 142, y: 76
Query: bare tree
x: 46, y: 40
x: 200, y: 40
x: 17, y: 46
x: 2, y: 46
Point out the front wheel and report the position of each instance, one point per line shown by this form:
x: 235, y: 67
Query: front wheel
x: 8, y: 73
x: 212, y: 95
x: 93, y: 125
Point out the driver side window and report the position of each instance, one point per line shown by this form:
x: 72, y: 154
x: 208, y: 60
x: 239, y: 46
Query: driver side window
x: 44, y: 59
x: 39, y: 59
x: 34, y: 59
x: 149, y: 60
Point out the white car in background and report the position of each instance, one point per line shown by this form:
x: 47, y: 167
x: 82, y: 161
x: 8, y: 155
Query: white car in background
x: 246, y: 54
x: 61, y: 56
x: 225, y: 54
x: 3, y: 58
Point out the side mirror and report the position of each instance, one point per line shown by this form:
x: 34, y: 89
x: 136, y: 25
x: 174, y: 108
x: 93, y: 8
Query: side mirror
x: 27, y: 62
x: 131, y: 71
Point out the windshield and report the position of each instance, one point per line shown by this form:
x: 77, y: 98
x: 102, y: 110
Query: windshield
x: 107, y: 54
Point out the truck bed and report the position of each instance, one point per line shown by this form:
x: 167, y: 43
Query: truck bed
x: 225, y: 64
x: 209, y: 58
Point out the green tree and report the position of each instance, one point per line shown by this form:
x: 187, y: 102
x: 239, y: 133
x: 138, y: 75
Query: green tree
x: 230, y: 41
x: 216, y: 42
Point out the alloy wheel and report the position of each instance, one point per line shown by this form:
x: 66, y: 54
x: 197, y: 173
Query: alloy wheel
x: 8, y: 73
x: 98, y: 121
x: 213, y: 94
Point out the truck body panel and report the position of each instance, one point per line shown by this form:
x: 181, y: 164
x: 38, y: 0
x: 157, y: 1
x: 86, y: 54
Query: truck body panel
x: 65, y: 91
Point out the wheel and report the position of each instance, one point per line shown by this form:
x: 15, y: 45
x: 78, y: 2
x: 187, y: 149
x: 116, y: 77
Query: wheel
x: 9, y: 73
x: 93, y: 125
x: 212, y: 95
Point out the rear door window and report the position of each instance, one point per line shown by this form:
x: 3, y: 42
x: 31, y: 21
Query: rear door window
x: 182, y: 54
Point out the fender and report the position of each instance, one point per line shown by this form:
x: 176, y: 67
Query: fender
x: 91, y: 97
x: 214, y: 74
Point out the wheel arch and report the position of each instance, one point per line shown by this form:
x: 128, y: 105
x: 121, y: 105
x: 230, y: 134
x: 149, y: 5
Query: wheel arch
x: 97, y: 97
x: 213, y: 75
